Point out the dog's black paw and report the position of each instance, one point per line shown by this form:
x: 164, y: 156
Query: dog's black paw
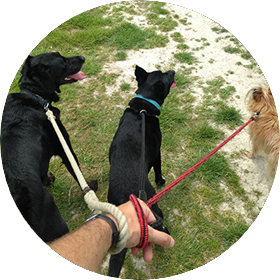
x: 93, y: 185
x: 50, y: 179
x: 160, y: 181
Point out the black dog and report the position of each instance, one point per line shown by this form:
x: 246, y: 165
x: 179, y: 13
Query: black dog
x: 28, y: 140
x: 125, y: 150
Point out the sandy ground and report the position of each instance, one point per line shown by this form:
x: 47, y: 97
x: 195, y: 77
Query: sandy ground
x: 253, y: 177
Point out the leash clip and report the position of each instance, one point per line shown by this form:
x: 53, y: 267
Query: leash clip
x: 46, y: 107
x: 142, y: 112
x: 142, y: 195
x: 256, y: 115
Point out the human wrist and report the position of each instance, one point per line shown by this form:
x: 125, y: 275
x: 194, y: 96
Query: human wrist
x: 112, y: 222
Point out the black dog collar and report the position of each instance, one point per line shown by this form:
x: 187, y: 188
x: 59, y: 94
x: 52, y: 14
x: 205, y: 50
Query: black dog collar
x: 137, y: 104
x: 44, y: 103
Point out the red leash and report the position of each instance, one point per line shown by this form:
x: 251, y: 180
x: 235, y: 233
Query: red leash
x: 154, y: 199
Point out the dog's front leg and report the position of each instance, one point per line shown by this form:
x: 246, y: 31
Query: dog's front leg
x: 157, y: 168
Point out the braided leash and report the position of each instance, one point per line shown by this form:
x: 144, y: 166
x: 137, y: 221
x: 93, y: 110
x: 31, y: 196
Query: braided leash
x: 89, y: 195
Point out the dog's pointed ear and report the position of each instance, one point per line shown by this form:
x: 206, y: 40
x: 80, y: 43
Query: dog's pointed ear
x: 28, y: 59
x: 26, y: 65
x: 141, y: 75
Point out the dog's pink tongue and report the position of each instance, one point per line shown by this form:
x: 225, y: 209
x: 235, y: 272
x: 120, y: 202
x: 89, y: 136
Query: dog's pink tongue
x: 174, y: 84
x: 78, y: 76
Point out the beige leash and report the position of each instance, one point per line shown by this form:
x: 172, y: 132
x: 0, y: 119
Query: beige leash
x: 90, y: 197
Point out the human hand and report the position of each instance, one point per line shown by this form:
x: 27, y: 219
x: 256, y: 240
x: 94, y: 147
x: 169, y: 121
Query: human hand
x: 134, y: 231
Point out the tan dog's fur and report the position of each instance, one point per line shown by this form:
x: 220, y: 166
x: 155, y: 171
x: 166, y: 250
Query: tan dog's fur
x: 264, y: 131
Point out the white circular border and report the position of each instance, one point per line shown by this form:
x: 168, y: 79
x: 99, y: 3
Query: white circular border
x: 25, y: 23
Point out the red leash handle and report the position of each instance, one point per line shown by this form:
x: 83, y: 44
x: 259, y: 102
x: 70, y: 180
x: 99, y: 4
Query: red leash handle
x: 142, y: 220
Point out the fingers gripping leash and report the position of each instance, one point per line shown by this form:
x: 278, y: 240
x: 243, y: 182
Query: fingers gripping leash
x: 143, y: 222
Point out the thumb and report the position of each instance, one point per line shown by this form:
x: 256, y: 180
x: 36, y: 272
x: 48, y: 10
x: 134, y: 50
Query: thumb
x: 160, y: 238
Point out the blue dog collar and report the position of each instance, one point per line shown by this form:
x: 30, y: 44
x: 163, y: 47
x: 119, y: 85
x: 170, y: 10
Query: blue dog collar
x: 149, y: 100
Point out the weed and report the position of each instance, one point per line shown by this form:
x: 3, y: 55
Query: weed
x: 182, y: 47
x: 227, y: 115
x: 214, y: 86
x: 183, y: 80
x: 219, y: 30
x: 246, y: 55
x: 185, y: 57
x: 230, y: 49
x: 125, y: 87
x: 121, y: 56
x: 156, y: 7
x: 127, y: 36
x: 184, y: 21
x: 226, y: 92
x: 177, y: 37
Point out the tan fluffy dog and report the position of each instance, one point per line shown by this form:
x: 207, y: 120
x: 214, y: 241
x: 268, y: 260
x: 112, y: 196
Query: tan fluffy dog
x: 264, y: 131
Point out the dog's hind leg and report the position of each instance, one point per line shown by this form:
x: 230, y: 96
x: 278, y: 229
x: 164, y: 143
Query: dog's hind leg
x: 50, y: 179
x: 116, y: 263
x: 158, y: 174
x: 158, y: 224
x: 272, y: 164
x: 254, y: 152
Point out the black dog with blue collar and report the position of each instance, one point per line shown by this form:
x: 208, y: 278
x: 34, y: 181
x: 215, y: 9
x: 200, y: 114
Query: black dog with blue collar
x: 125, y: 150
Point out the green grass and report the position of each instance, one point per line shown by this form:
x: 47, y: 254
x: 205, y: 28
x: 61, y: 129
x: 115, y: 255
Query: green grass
x: 125, y: 87
x: 219, y: 30
x: 177, y: 37
x: 189, y: 132
x: 225, y: 114
x: 121, y: 56
x: 185, y: 57
x: 230, y: 49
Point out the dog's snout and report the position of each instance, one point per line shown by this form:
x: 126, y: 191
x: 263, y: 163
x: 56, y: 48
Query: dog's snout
x: 171, y: 72
x: 76, y: 59
x: 82, y: 58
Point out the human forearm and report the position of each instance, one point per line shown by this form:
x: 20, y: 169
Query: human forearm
x: 86, y: 246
